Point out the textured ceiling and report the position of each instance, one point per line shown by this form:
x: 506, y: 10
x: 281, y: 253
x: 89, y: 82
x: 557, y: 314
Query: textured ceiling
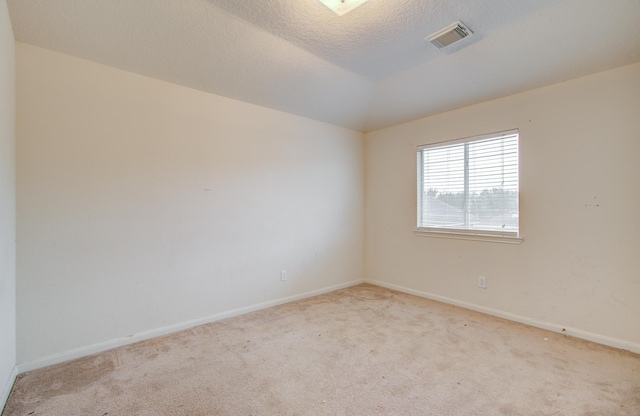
x: 381, y: 37
x: 368, y: 69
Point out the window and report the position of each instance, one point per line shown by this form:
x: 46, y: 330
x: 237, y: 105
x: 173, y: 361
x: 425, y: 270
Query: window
x: 470, y: 186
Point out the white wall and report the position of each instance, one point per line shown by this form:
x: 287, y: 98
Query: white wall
x: 7, y: 207
x: 143, y: 205
x: 579, y: 264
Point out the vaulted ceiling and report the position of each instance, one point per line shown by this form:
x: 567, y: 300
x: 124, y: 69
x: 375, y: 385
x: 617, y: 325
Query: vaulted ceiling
x: 366, y: 70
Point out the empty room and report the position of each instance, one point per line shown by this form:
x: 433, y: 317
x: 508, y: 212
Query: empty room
x: 319, y: 207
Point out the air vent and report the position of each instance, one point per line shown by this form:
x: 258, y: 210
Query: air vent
x: 450, y: 34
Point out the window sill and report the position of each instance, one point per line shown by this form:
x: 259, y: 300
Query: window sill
x: 469, y: 236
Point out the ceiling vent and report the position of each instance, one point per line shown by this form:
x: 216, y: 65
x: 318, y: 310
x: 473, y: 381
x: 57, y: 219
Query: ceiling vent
x: 450, y: 34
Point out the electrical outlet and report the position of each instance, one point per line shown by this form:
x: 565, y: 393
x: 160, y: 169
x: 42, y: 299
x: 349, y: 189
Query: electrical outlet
x: 283, y: 275
x: 482, y: 282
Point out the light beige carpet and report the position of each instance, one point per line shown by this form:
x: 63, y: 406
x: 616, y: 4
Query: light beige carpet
x: 358, y: 351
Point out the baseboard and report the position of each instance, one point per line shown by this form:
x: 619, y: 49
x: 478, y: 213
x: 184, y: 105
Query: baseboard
x: 118, y: 342
x: 7, y: 387
x: 565, y: 330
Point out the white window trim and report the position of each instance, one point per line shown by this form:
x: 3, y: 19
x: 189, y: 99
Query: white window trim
x: 470, y: 235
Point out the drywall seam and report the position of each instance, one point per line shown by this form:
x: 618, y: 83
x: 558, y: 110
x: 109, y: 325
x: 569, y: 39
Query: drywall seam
x: 142, y: 336
x: 573, y: 332
x: 7, y: 388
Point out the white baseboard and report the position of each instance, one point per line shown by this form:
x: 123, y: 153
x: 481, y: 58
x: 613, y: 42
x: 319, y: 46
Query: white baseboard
x: 565, y: 330
x: 118, y: 342
x: 7, y: 387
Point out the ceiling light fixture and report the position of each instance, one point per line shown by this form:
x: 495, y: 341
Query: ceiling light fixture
x: 342, y: 6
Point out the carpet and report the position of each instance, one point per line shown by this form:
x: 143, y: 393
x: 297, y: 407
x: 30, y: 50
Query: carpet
x: 363, y: 350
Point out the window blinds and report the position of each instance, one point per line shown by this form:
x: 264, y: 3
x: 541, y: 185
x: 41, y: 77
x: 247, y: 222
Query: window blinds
x: 470, y: 184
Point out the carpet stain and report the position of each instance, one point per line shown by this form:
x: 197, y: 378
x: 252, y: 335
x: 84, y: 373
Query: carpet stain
x: 65, y: 378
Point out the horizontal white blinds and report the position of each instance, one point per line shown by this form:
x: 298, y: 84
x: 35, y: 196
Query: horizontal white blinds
x: 470, y: 184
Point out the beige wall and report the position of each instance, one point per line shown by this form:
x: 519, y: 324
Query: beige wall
x: 144, y: 206
x: 7, y: 207
x: 579, y: 264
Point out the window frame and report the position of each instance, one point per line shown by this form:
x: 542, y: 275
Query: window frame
x: 510, y: 237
